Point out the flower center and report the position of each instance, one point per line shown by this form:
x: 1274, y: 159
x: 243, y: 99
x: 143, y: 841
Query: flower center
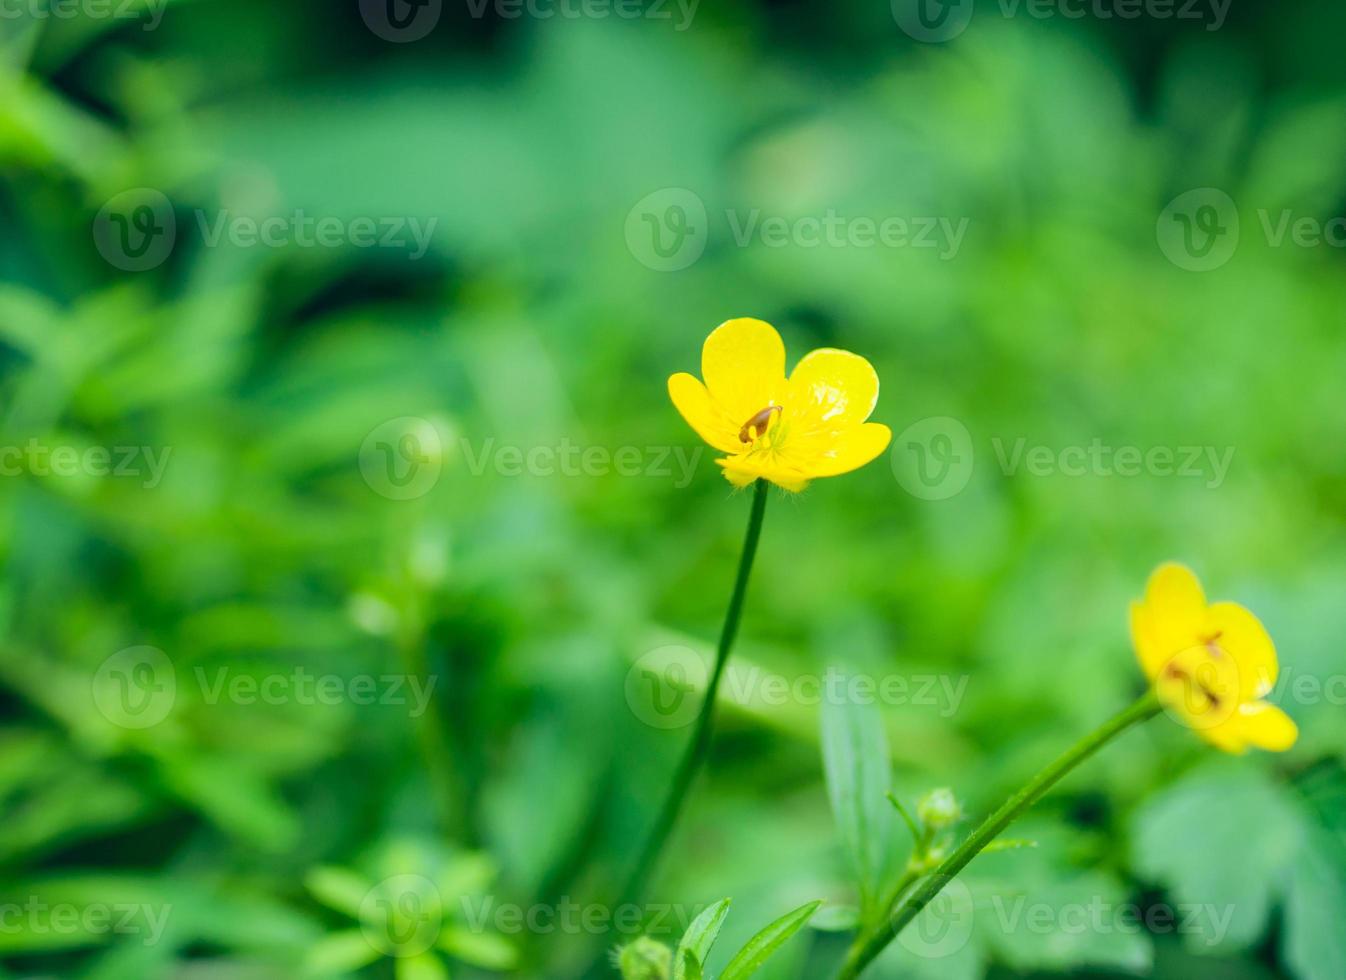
x: 1201, y: 683
x: 756, y: 427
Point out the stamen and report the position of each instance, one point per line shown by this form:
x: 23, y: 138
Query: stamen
x: 756, y: 426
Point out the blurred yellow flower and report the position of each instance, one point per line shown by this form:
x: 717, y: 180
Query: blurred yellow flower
x: 785, y: 430
x: 1210, y: 664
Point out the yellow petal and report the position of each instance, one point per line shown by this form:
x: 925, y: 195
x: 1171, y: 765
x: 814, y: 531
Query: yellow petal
x: 1175, y: 608
x: 1266, y: 726
x: 743, y: 365
x: 1256, y: 724
x: 832, y: 389
x: 1227, y: 736
x: 700, y: 411
x: 1235, y: 630
x: 743, y: 470
x: 840, y: 452
x: 1148, y: 651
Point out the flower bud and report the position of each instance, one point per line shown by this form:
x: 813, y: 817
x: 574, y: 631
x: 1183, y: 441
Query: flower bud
x: 939, y: 808
x: 645, y: 959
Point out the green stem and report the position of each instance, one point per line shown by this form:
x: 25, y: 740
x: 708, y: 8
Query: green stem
x: 432, y: 733
x: 694, y: 756
x: 867, y: 947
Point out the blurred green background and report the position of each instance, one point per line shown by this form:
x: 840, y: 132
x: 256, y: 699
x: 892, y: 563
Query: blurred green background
x: 311, y: 585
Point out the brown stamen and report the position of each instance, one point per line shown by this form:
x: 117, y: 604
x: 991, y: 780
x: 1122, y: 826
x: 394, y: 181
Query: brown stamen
x: 756, y: 426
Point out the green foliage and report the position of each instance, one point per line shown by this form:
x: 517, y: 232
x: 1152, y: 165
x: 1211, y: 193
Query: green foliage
x: 1281, y: 845
x: 646, y: 959
x: 859, y: 772
x: 244, y: 834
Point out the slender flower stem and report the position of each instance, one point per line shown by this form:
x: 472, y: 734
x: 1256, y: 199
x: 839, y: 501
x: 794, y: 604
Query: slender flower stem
x: 694, y: 756
x: 868, y: 946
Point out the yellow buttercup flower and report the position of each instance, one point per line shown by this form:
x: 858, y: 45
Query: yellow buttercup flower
x: 1210, y: 664
x: 786, y: 430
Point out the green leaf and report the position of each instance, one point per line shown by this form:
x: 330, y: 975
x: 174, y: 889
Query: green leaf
x: 1008, y: 844
x: 1315, y: 947
x: 836, y: 918
x: 1223, y: 835
x: 424, y: 966
x: 690, y: 966
x: 341, y: 952
x: 467, y: 874
x: 699, y: 937
x: 759, y: 948
x: 858, y: 770
x: 1315, y: 901
x: 484, y: 949
x: 338, y: 888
